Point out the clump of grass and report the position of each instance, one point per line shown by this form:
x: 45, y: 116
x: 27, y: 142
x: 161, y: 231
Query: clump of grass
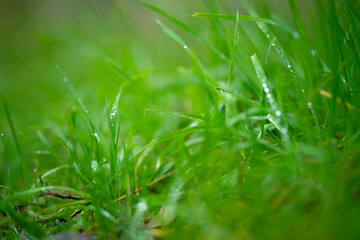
x: 266, y: 144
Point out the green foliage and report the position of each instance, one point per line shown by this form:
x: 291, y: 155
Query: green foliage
x: 239, y: 121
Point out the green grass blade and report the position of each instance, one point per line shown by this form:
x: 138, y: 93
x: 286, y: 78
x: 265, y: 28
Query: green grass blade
x: 232, y: 17
x: 276, y: 113
x: 31, y: 227
x: 187, y: 28
x: 19, y: 150
x: 191, y: 54
x: 242, y: 18
x: 235, y: 47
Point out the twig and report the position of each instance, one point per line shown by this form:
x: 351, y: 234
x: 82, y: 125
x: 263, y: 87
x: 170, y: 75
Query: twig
x: 74, y: 214
x: 55, y: 194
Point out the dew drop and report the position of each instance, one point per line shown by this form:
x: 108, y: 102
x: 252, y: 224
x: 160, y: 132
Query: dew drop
x: 142, y: 206
x: 296, y: 34
x: 278, y: 113
x: 97, y: 137
x: 266, y: 90
x: 268, y: 96
x: 185, y: 46
x: 94, y: 166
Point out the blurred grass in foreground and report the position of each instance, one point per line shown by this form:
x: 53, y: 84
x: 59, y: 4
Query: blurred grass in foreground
x: 214, y: 119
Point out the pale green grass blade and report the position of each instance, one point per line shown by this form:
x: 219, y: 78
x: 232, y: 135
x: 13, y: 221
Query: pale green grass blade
x: 276, y: 113
x: 300, y: 83
x: 235, y: 47
x: 242, y: 18
x: 187, y: 28
x: 191, y: 54
x: 233, y: 17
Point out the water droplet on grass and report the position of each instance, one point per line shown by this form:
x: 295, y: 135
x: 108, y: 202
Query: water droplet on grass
x: 296, y: 34
x: 142, y: 206
x: 97, y: 137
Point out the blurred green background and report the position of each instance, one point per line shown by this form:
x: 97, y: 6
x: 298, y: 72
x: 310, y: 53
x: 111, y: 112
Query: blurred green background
x: 80, y: 36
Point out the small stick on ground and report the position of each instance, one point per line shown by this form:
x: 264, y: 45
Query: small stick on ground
x: 74, y: 214
x: 55, y: 194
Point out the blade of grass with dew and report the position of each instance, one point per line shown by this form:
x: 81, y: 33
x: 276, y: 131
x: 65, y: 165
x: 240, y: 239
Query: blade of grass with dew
x: 191, y: 116
x: 218, y: 29
x: 232, y: 17
x: 187, y: 28
x: 114, y: 131
x: 275, y: 109
x: 235, y: 48
x: 73, y: 91
x: 191, y: 54
x: 289, y: 64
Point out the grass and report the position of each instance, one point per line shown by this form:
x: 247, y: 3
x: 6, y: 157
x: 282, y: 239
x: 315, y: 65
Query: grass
x: 231, y: 121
